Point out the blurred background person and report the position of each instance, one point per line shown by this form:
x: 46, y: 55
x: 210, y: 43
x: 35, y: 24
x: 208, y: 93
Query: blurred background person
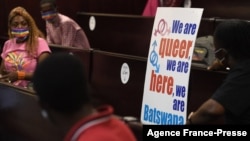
x: 25, y: 48
x: 151, y: 5
x: 61, y: 29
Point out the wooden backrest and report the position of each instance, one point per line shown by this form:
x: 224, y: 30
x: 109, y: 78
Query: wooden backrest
x: 21, y: 117
x: 207, y: 26
x: 202, y: 84
x: 84, y: 54
x: 127, y: 34
x: 19, y: 89
x: 108, y: 87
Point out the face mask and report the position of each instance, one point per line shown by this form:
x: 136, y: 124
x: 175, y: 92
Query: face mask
x: 20, y: 33
x: 49, y: 15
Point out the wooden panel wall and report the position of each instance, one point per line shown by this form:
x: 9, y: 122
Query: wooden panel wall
x: 115, y: 6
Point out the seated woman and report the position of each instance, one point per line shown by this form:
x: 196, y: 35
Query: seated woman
x: 24, y: 49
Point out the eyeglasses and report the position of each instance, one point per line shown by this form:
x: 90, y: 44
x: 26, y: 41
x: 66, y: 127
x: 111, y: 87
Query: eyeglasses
x: 218, y: 50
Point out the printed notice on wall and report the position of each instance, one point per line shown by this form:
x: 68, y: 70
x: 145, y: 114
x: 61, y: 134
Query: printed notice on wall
x: 168, y: 66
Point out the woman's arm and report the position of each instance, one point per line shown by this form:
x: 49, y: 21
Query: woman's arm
x: 20, y: 75
x: 44, y: 55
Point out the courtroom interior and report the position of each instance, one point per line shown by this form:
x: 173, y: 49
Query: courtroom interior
x: 118, y: 34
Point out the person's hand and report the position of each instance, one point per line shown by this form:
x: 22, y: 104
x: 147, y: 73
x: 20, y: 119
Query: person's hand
x: 216, y: 65
x: 189, y: 121
x: 9, y: 77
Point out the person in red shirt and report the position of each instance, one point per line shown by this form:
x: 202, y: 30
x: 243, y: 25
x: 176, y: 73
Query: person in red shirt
x: 62, y: 91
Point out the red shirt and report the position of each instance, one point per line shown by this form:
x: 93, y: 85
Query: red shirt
x: 100, y: 127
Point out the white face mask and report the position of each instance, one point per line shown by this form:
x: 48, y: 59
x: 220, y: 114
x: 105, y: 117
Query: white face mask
x: 218, y: 50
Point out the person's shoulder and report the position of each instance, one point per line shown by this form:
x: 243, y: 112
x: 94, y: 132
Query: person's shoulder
x: 66, y: 20
x: 42, y: 42
x: 9, y: 45
x: 40, y: 39
x: 9, y: 42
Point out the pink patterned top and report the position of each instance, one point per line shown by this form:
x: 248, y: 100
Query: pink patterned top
x: 66, y: 32
x: 16, y: 57
x: 151, y: 6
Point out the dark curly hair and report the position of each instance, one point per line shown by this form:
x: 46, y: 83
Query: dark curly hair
x: 234, y: 36
x: 60, y: 83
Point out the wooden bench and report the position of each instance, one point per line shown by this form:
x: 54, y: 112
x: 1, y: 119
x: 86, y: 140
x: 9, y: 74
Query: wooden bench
x: 127, y: 34
x: 107, y: 85
x: 21, y: 117
x: 19, y: 89
x: 202, y: 84
x: 207, y: 26
x: 213, y: 8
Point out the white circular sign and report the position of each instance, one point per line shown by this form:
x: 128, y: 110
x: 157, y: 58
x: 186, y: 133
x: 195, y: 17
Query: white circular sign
x: 125, y: 73
x: 92, y: 23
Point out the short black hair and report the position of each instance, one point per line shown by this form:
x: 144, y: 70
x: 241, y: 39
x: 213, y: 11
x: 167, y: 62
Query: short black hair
x: 52, y: 2
x: 60, y: 82
x: 234, y: 36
